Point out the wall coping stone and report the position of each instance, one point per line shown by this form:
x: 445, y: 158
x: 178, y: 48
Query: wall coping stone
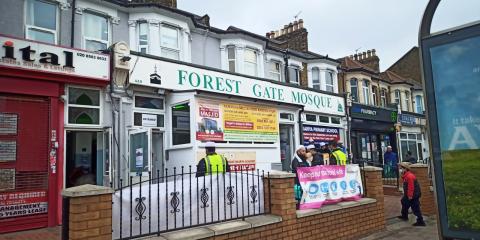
x: 280, y: 174
x: 86, y: 190
x: 372, y: 169
x: 228, y: 227
x: 263, y: 220
x: 190, y: 234
x: 334, y: 207
x: 419, y: 165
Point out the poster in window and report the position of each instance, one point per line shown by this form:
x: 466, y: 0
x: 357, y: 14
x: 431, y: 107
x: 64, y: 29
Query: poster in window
x: 8, y: 150
x: 7, y: 179
x: 139, y: 158
x: 8, y: 124
x: 456, y: 74
x: 320, y: 134
x: 236, y: 122
x: 25, y: 203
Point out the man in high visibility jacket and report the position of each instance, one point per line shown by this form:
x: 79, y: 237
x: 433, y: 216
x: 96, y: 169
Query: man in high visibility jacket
x: 337, y: 157
x: 212, y: 163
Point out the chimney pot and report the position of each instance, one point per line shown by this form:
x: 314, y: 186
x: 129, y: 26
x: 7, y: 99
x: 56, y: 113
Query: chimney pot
x: 369, y: 53
x: 355, y: 56
x: 373, y: 52
x: 364, y: 55
x: 267, y: 35
x: 290, y: 27
x: 300, y: 24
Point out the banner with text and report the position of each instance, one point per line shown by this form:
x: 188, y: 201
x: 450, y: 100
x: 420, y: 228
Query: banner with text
x: 329, y: 184
x: 236, y: 122
x: 320, y: 134
x: 15, y: 204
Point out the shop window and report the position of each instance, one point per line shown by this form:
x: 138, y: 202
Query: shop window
x: 287, y: 116
x: 374, y: 95
x: 419, y: 104
x: 250, y: 62
x: 41, y: 21
x: 231, y: 58
x: 329, y: 81
x: 148, y: 102
x: 354, y: 89
x: 316, y: 78
x: 181, y: 124
x: 95, y: 32
x: 294, y: 74
x: 383, y: 97
x: 311, y: 118
x: 335, y: 120
x: 274, y: 71
x: 324, y: 119
x: 169, y: 42
x: 83, y: 106
x: 143, y: 37
x: 139, y: 119
x: 366, y: 91
x: 148, y: 112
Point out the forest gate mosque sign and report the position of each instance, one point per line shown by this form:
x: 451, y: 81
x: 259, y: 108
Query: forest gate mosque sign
x: 173, y: 76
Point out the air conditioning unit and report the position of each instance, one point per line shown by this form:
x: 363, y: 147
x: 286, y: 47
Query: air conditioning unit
x: 121, y: 54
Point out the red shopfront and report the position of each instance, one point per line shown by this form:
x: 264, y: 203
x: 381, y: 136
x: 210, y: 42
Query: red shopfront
x: 33, y: 77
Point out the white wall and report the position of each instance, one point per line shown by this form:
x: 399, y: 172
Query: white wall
x: 240, y: 46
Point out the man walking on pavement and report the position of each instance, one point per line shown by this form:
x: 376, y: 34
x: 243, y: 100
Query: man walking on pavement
x: 212, y: 163
x: 411, y: 195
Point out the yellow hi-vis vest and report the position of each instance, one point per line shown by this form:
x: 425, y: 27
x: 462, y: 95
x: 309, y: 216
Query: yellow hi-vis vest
x: 214, y: 164
x: 340, y: 157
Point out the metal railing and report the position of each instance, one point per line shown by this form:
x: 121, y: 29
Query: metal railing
x: 182, y: 199
x: 390, y: 174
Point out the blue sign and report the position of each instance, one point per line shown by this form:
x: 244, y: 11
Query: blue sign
x: 408, y: 119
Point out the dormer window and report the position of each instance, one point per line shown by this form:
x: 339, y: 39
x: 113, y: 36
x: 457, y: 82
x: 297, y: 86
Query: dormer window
x: 169, y: 42
x: 250, y: 62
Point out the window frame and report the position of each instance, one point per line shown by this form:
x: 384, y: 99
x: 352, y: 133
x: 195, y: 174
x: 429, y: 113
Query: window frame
x: 316, y: 85
x: 234, y: 59
x: 140, y: 46
x: 355, y: 97
x: 86, y: 38
x: 271, y: 73
x: 332, y: 74
x: 398, y: 99
x: 191, y: 141
x: 41, y: 29
x: 407, y: 100
x: 383, y: 97
x: 148, y: 110
x: 99, y: 107
x: 245, y: 61
x: 366, y: 91
x: 170, y: 49
x: 419, y: 106
x: 297, y: 69
x: 374, y: 95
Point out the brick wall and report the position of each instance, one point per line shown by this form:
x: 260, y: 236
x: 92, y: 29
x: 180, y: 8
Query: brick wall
x: 90, y: 212
x: 427, y: 201
x: 409, y: 65
x: 350, y: 223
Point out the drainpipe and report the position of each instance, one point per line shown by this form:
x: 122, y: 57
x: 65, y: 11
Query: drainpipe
x: 72, y: 27
x: 285, y: 59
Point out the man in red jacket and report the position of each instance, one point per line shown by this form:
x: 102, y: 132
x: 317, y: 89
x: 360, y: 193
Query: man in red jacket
x: 411, y: 194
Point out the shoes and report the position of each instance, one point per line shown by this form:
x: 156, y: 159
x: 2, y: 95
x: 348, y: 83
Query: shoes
x: 419, y: 224
x: 402, y: 218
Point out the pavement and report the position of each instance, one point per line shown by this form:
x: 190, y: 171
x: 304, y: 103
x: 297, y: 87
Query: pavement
x: 401, y: 230
x: 53, y: 233
x: 392, y: 206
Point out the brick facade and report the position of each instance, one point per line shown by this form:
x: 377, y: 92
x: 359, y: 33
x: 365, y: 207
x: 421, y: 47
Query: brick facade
x: 409, y: 65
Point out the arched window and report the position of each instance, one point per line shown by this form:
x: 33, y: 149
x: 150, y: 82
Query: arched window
x: 354, y: 89
x: 316, y: 78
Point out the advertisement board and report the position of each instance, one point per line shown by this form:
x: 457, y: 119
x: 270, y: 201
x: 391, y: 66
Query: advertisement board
x: 320, y: 134
x: 15, y: 204
x: 329, y: 184
x: 237, y: 161
x: 177, y: 76
x: 236, y: 122
x: 452, y: 76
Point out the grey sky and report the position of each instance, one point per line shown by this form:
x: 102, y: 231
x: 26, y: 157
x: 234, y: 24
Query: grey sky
x: 338, y: 27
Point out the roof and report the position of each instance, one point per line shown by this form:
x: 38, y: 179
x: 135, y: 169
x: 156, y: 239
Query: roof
x: 397, y: 79
x: 415, y: 48
x: 350, y: 64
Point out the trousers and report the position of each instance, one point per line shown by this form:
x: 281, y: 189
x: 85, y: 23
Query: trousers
x: 414, y: 203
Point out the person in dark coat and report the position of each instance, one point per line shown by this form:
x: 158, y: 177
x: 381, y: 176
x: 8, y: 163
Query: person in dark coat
x: 411, y: 195
x: 410, y: 158
x: 317, y: 157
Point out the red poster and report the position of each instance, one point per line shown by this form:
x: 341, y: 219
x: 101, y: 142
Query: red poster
x: 14, y: 204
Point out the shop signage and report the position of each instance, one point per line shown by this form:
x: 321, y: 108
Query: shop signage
x: 320, y: 134
x: 236, y: 122
x: 329, y: 184
x: 237, y: 161
x: 149, y: 120
x: 182, y: 77
x: 407, y: 119
x: 15, y: 204
x: 36, y: 56
x: 7, y: 179
x: 373, y: 113
x: 8, y: 124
